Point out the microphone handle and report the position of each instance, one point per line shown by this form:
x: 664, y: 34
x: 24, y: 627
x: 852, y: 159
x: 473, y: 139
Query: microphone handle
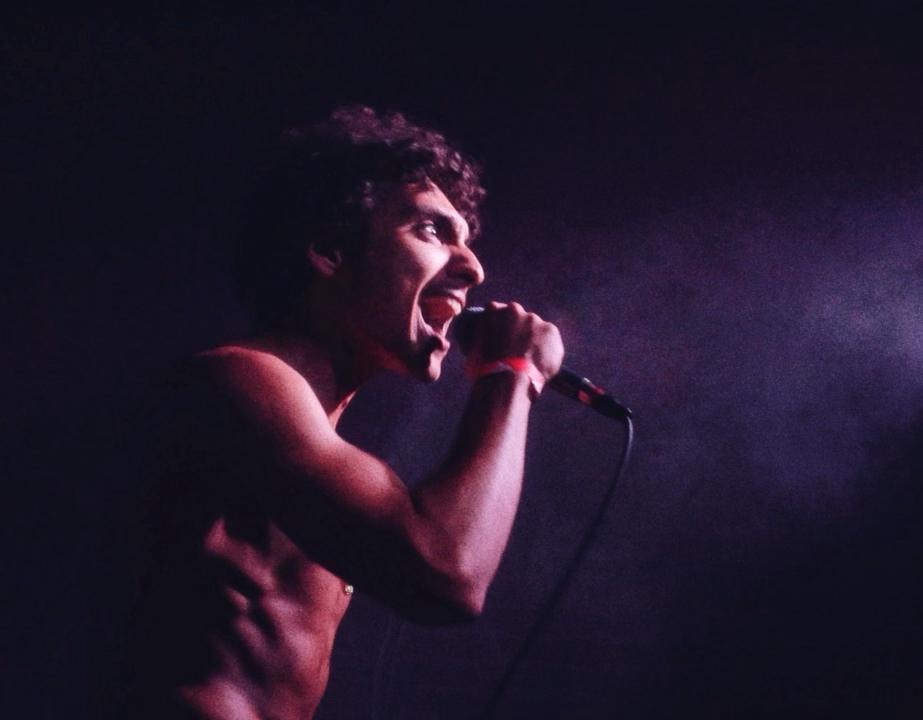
x: 574, y: 386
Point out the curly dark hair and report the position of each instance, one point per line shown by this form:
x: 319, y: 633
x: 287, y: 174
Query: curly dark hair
x: 321, y: 186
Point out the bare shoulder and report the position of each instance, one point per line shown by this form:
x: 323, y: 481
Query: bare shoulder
x: 261, y: 385
x: 249, y: 370
x: 276, y: 417
x: 240, y: 363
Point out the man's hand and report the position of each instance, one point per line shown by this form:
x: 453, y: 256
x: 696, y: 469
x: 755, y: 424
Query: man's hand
x: 506, y: 330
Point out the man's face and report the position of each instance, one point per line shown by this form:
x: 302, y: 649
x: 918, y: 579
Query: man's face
x: 412, y: 281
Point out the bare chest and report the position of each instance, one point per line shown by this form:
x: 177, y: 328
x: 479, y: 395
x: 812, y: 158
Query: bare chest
x: 282, y: 612
x: 261, y: 565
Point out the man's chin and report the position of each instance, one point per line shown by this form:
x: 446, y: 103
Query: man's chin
x: 429, y: 368
x: 434, y: 373
x: 423, y: 362
x: 430, y: 371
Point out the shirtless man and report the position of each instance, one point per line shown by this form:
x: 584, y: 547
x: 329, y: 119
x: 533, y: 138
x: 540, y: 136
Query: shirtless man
x: 356, y: 258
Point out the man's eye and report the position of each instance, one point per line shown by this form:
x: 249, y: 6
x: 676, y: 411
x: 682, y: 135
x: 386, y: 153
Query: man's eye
x: 429, y: 229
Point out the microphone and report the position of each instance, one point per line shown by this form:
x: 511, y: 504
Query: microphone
x: 566, y: 382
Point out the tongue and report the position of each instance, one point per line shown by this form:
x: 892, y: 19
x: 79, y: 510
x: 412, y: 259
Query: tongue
x: 436, y: 311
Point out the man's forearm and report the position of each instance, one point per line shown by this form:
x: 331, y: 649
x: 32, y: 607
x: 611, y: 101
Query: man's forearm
x: 469, y: 503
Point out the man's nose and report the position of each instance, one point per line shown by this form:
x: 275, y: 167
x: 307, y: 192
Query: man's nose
x: 465, y: 264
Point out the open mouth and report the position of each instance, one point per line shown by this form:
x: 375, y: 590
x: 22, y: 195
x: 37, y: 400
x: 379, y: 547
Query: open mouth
x: 438, y: 311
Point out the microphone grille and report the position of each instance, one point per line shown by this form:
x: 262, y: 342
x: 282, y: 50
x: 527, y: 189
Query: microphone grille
x: 463, y: 327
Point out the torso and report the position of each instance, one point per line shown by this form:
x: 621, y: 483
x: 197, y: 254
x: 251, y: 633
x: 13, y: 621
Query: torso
x: 281, y: 612
x: 235, y: 621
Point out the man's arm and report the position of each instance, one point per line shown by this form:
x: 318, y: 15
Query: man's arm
x: 430, y: 554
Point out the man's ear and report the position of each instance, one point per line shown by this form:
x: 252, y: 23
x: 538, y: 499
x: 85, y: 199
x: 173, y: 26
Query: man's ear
x: 325, y: 258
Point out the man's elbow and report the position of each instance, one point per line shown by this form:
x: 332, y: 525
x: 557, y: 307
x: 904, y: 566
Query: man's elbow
x: 457, y: 576
x: 469, y: 584
x: 458, y: 597
x: 470, y: 602
x: 457, y: 608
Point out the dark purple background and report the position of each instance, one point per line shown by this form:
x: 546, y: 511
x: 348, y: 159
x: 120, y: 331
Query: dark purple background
x: 720, y: 207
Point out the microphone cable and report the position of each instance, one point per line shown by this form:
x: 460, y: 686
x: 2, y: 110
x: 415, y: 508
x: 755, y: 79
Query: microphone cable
x: 547, y: 610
